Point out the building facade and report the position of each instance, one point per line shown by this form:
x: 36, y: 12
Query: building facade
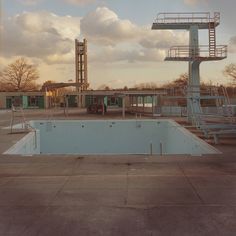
x: 23, y: 99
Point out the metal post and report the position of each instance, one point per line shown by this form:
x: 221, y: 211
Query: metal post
x: 103, y: 107
x: 143, y: 100
x: 151, y: 148
x: 12, y: 117
x: 161, y: 149
x: 123, y: 106
x: 152, y: 104
x: 46, y: 98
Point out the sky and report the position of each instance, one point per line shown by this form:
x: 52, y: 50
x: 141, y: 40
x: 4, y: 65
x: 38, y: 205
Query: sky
x: 122, y: 48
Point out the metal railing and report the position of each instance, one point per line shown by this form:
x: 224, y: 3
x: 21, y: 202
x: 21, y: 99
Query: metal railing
x: 193, y: 17
x: 217, y: 17
x: 202, y: 51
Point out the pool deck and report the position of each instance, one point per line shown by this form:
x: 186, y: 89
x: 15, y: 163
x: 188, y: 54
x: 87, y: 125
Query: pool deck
x: 115, y: 195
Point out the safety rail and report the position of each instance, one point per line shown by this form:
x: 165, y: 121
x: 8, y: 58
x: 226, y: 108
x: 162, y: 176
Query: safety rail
x: 200, y: 52
x: 193, y: 17
x: 215, y: 126
x: 13, y: 116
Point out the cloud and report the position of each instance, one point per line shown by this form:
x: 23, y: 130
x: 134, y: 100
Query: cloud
x: 60, y: 58
x: 66, y: 27
x: 104, y: 26
x: 190, y: 2
x: 226, y: 9
x: 74, y: 2
x: 163, y: 39
x: 80, y: 2
x: 195, y: 2
x: 50, y: 37
x: 29, y: 2
x: 110, y: 54
x: 40, y: 34
x: 232, y: 44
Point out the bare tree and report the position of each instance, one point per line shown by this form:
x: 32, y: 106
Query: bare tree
x: 180, y: 82
x: 19, y: 76
x: 46, y: 84
x: 146, y: 86
x: 230, y: 70
x: 104, y: 87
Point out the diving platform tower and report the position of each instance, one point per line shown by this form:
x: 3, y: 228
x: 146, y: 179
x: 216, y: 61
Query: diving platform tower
x: 194, y: 53
x: 81, y: 69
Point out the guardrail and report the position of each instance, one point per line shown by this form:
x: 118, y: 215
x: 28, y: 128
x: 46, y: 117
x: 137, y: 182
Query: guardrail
x: 192, y: 17
x: 202, y: 51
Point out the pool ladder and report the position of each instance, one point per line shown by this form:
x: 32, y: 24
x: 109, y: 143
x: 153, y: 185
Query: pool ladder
x: 138, y: 122
x: 14, y: 111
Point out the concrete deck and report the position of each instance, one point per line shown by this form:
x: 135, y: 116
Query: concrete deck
x: 115, y: 195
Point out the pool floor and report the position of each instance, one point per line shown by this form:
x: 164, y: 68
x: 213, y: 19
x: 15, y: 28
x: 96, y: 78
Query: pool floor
x: 110, y: 137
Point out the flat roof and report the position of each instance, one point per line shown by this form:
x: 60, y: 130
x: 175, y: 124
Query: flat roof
x: 121, y: 92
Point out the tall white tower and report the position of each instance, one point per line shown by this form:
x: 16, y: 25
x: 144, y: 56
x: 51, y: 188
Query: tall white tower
x: 194, y: 53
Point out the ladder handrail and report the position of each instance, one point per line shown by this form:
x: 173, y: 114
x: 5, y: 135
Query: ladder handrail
x: 15, y: 110
x: 227, y: 103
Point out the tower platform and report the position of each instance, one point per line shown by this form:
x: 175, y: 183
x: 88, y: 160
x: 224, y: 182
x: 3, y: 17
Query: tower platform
x: 183, y: 21
x: 194, y: 53
x: 202, y: 53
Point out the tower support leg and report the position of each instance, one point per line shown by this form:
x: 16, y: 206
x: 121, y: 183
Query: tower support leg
x: 193, y: 94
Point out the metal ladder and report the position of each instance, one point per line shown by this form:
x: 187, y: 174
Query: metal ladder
x: 14, y: 111
x: 227, y: 104
x: 212, y: 39
x: 218, y: 100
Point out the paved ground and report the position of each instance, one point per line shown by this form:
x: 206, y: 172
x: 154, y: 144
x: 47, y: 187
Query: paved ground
x: 116, y: 195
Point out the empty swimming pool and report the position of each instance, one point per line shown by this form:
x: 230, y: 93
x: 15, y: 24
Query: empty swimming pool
x: 104, y: 137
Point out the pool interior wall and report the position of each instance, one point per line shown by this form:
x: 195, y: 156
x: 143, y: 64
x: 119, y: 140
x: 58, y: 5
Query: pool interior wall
x: 28, y: 145
x: 109, y: 137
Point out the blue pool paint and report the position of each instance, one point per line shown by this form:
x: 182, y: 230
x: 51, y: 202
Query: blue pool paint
x: 104, y: 137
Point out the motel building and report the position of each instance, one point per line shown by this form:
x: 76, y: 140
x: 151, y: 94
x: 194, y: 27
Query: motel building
x: 23, y: 99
